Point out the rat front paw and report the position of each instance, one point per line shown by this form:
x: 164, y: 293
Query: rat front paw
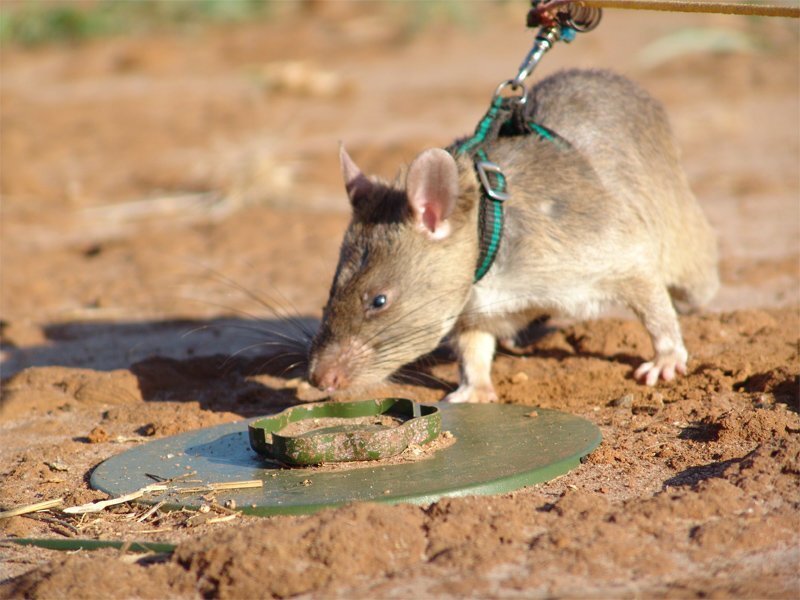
x: 664, y: 367
x: 473, y: 394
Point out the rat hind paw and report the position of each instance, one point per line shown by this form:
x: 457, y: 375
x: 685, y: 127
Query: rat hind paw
x: 664, y: 367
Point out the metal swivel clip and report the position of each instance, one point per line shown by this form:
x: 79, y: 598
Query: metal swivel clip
x: 558, y: 20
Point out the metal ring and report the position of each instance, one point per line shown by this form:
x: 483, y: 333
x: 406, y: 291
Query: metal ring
x: 514, y: 85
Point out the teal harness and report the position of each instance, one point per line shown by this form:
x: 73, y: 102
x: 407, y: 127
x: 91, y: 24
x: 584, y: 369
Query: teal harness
x: 558, y: 20
x: 503, y: 119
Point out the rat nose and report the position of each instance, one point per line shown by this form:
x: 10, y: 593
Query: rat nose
x: 336, y: 365
x: 328, y: 378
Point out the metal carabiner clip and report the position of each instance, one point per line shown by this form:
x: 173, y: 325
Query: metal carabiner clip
x: 544, y: 41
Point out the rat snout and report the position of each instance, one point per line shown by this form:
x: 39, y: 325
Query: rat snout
x: 336, y: 366
x: 328, y: 378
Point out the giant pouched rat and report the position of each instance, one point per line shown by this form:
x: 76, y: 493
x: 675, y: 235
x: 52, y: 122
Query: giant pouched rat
x: 608, y: 218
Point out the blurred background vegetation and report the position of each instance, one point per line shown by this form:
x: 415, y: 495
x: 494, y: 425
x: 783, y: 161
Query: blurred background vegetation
x: 36, y: 22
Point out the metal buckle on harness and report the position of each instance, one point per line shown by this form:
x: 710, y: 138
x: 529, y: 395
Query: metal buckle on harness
x: 483, y: 167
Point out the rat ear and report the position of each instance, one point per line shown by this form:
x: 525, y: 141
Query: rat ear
x: 355, y: 182
x: 432, y: 188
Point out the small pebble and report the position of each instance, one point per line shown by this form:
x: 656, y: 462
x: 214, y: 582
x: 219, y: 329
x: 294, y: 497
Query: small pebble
x: 519, y: 377
x: 650, y: 405
x: 625, y: 401
x: 204, y: 508
x: 57, y: 465
x: 230, y: 504
x: 533, y: 413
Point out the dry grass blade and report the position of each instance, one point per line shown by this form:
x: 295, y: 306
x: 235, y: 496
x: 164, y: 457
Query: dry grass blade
x: 224, y: 519
x: 152, y: 510
x: 159, y: 487
x: 59, y: 525
x: 103, y: 504
x: 29, y: 508
x: 123, y: 439
x: 236, y: 485
x: 217, y: 487
x: 223, y: 509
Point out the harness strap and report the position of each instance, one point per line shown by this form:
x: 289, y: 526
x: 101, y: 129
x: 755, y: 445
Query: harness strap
x: 490, y: 218
x: 492, y: 180
x: 504, y: 118
x: 559, y: 20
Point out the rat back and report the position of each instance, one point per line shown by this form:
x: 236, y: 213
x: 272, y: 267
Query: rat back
x: 607, y: 218
x: 625, y: 137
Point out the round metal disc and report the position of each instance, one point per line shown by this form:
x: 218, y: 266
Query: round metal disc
x: 498, y: 448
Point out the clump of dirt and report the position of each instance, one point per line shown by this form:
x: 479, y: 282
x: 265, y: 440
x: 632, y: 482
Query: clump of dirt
x: 84, y: 577
x: 307, y: 554
x: 98, y: 435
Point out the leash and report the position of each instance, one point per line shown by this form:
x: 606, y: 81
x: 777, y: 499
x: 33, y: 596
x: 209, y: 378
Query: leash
x: 753, y: 9
x: 506, y: 118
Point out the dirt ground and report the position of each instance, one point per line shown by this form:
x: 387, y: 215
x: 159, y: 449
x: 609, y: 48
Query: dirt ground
x: 169, y: 198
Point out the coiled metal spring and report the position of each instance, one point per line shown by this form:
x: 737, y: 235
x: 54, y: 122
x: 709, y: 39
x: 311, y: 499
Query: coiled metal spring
x: 580, y: 18
x: 564, y: 13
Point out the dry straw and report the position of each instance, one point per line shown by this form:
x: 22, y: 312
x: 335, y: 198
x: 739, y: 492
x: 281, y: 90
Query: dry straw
x: 31, y: 508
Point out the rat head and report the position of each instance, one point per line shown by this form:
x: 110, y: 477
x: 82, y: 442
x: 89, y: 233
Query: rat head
x: 404, y: 274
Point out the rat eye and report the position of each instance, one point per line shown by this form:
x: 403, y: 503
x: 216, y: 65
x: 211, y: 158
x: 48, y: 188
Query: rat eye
x: 379, y: 301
